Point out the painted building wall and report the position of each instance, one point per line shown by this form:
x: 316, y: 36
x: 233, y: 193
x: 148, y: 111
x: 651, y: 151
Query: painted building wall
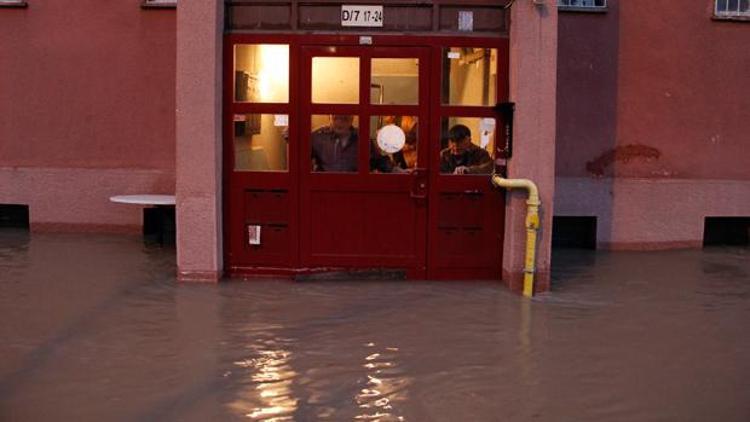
x: 652, y: 121
x: 87, y: 110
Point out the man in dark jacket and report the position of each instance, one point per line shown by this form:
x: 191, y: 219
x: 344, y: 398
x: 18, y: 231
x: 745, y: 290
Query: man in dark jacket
x: 334, y: 147
x: 462, y: 156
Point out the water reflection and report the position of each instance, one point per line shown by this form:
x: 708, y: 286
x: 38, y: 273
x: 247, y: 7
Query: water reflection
x: 385, y: 385
x: 268, y: 396
x: 96, y: 328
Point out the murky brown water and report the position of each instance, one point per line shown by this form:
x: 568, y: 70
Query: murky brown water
x: 95, y: 328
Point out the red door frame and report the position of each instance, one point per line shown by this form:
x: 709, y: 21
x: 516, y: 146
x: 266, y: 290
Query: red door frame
x: 236, y: 182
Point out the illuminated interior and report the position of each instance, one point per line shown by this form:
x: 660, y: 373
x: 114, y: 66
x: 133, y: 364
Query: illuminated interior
x: 469, y: 76
x: 335, y: 80
x: 483, y: 131
x: 261, y: 142
x: 261, y: 73
x: 394, y: 81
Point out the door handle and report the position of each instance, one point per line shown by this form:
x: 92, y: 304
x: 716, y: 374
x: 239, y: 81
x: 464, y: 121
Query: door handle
x: 419, y: 184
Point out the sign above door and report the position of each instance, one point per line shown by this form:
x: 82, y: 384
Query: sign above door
x: 360, y: 15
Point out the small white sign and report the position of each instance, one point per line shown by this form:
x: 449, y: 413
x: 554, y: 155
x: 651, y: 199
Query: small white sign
x: 391, y: 139
x: 360, y: 15
x: 253, y: 235
x: 487, y: 124
x: 486, y: 129
x: 465, y: 20
x: 280, y: 120
x: 454, y: 55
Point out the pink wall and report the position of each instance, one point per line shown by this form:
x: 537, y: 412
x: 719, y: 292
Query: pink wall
x: 89, y: 85
x: 586, y: 88
x: 199, y: 104
x: 533, y: 68
x: 683, y: 90
x: 669, y: 80
x: 653, y: 125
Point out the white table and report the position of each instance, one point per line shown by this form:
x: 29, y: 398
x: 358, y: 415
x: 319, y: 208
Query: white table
x: 165, y: 218
x: 144, y: 199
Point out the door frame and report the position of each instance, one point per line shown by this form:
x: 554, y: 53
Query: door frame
x: 232, y: 182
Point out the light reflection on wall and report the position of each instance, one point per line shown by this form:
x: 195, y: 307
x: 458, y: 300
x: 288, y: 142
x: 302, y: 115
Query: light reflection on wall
x: 268, y: 396
x: 385, y: 387
x: 273, y: 75
x: 262, y: 73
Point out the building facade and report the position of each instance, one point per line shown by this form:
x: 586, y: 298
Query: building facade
x: 620, y: 115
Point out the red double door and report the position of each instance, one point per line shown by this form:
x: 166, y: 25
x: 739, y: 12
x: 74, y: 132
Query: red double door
x: 383, y: 209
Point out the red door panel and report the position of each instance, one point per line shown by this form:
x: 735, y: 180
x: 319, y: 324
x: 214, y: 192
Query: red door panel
x: 363, y: 219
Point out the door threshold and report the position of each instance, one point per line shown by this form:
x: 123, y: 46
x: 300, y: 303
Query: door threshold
x: 354, y: 274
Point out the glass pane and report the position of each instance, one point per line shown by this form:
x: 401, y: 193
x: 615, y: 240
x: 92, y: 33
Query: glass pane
x: 261, y: 142
x: 394, y: 81
x: 261, y: 73
x: 468, y: 145
x: 335, y: 80
x: 469, y: 76
x: 393, y: 144
x: 334, y: 143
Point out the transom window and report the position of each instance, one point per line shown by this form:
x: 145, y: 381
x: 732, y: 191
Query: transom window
x: 733, y: 8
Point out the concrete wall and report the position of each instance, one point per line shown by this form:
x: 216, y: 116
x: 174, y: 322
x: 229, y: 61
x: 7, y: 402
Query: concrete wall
x: 533, y: 71
x: 199, y: 179
x: 86, y: 110
x: 652, y: 122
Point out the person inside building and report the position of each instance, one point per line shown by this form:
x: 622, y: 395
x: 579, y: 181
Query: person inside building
x: 462, y: 156
x: 334, y: 147
x: 402, y: 161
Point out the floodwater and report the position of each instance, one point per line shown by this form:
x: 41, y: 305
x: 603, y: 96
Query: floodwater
x: 95, y: 328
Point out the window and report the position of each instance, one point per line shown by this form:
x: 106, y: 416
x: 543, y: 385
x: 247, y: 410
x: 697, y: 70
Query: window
x: 733, y: 8
x: 590, y: 5
x: 13, y: 3
x: 159, y: 3
x: 469, y: 76
x: 467, y: 145
x: 335, y: 80
x: 261, y: 142
x: 261, y: 73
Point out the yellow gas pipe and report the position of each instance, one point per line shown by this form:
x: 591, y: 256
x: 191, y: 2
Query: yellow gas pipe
x: 532, y: 226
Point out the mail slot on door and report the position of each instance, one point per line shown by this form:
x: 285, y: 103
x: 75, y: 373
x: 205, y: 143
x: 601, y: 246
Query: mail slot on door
x: 268, y: 206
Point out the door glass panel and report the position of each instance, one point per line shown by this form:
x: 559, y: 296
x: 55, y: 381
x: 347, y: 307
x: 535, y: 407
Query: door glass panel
x: 261, y: 142
x: 393, y: 144
x: 394, y: 81
x: 335, y: 80
x: 468, y: 144
x: 469, y: 76
x: 334, y: 143
x: 261, y: 73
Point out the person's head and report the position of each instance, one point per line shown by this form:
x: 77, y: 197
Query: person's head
x: 459, y: 139
x: 341, y: 124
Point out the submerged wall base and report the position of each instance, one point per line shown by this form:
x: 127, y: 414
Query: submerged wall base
x: 651, y: 214
x: 76, y: 199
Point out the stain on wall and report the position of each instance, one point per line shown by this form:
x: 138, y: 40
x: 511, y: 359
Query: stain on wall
x: 623, y: 154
